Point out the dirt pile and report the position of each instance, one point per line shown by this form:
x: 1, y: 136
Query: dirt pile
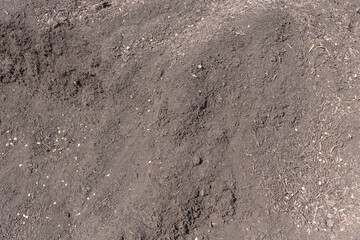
x: 117, y: 124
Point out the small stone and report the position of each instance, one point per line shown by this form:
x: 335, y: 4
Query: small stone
x: 197, y: 160
x: 330, y: 223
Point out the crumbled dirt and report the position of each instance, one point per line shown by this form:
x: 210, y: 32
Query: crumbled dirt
x: 179, y: 119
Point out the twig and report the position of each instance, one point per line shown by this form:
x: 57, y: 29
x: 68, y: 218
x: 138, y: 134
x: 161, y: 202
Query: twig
x: 316, y: 208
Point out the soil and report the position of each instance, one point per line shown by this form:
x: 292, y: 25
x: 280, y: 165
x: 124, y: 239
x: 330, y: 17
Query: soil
x: 179, y: 119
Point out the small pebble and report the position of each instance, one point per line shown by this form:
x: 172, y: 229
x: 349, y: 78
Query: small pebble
x: 196, y: 160
x: 330, y: 223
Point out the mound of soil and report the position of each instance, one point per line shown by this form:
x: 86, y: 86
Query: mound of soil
x: 179, y: 120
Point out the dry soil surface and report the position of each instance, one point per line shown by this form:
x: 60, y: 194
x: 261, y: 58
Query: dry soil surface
x: 163, y: 119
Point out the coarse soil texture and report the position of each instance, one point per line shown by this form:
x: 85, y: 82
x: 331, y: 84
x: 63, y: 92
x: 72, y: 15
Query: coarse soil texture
x: 160, y: 119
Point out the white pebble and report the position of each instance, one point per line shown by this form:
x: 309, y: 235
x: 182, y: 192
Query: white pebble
x: 54, y: 203
x: 20, y: 165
